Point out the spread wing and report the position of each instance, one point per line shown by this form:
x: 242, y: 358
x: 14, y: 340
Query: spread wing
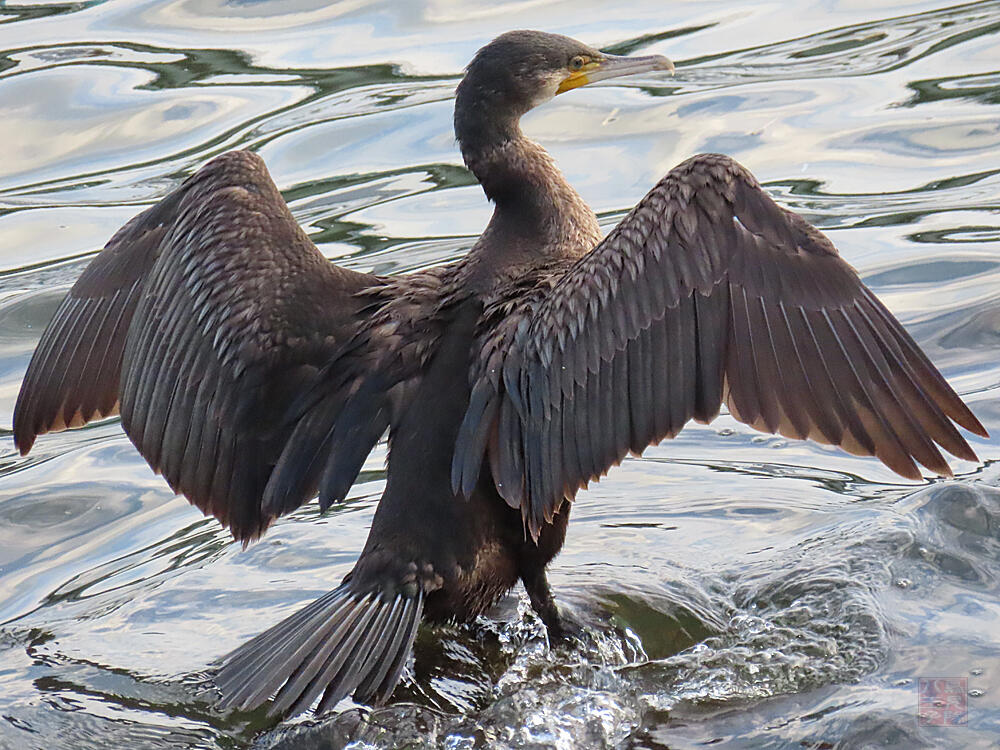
x: 707, y: 292
x: 204, y: 320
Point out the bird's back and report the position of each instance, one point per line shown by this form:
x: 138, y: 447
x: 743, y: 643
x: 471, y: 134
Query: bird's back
x: 465, y: 551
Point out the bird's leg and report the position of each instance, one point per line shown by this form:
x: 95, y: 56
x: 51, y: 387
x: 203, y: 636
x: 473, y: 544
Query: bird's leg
x: 537, y: 586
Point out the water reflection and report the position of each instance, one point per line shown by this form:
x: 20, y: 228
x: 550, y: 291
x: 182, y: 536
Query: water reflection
x: 728, y: 587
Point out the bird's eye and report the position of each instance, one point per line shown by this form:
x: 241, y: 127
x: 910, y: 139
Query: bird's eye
x: 577, y: 62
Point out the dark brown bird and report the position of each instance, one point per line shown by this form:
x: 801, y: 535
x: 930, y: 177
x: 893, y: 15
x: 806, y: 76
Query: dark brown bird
x: 253, y: 373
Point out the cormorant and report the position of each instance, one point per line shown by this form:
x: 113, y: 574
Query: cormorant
x: 253, y: 373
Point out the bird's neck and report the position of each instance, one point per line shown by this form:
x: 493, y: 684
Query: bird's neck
x: 532, y: 198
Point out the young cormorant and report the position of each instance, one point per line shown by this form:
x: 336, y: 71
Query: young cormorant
x: 253, y: 373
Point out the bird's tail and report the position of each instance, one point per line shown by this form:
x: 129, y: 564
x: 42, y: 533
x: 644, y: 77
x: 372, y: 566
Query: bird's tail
x: 344, y: 641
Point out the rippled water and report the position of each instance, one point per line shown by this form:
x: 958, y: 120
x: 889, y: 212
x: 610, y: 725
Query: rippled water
x: 729, y: 588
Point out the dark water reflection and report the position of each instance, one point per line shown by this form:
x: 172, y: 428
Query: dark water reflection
x: 728, y: 588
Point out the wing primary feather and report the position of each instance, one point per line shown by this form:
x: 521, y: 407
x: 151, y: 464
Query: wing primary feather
x: 675, y: 406
x: 930, y: 378
x: 687, y: 351
x: 593, y: 427
x: 179, y: 430
x: 156, y: 342
x: 169, y: 387
x: 605, y: 448
x: 855, y: 435
x: 96, y: 366
x: 887, y: 445
x: 63, y: 368
x: 902, y: 420
x: 823, y: 417
x: 134, y: 366
x: 659, y: 365
x: 537, y: 436
x: 37, y: 403
x: 640, y: 399
x: 173, y: 414
x: 554, y: 470
x: 710, y: 351
x: 742, y: 370
x: 620, y: 406
x: 41, y: 407
x: 795, y: 397
x: 217, y: 501
x: 580, y: 425
x: 766, y: 363
x: 920, y: 403
x: 509, y: 471
x: 114, y: 356
x: 572, y: 471
x: 201, y: 449
x: 534, y: 472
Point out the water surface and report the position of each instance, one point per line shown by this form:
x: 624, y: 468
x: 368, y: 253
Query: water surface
x: 730, y: 588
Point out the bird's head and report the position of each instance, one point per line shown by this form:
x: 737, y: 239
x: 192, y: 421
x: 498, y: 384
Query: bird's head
x: 521, y: 69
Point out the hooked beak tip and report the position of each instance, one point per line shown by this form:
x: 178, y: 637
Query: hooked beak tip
x: 659, y: 62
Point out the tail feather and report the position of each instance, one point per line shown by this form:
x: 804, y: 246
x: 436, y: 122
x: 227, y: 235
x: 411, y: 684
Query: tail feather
x: 344, y: 641
x: 250, y: 674
x: 323, y: 666
x: 356, y: 667
x: 384, y: 675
